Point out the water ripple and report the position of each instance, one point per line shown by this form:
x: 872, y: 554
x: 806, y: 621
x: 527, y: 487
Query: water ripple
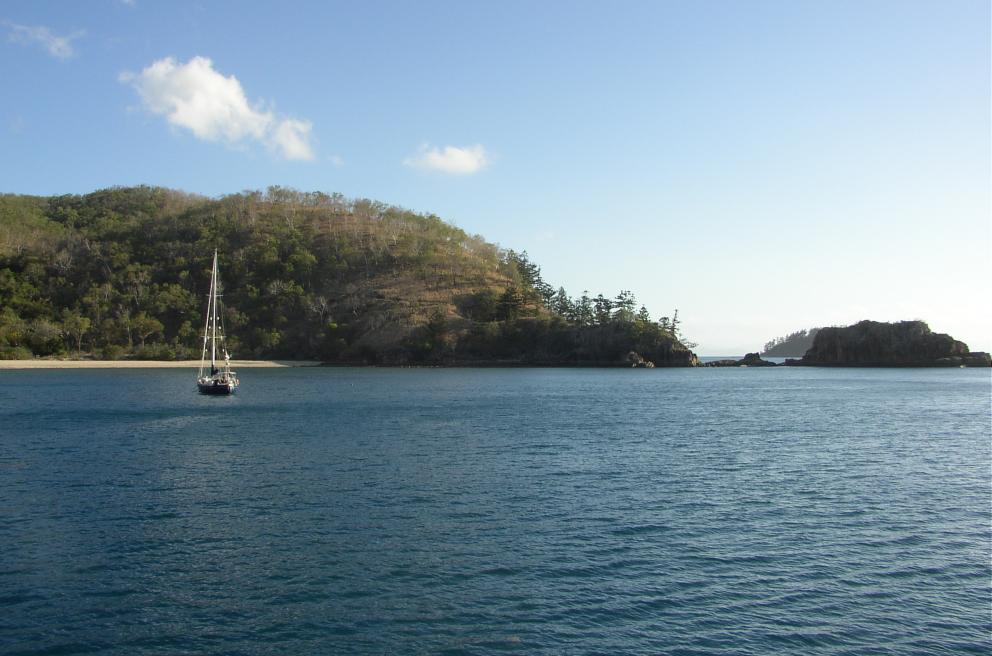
x: 490, y: 512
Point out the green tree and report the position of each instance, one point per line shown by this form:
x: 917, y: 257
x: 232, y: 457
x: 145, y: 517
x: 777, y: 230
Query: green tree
x: 510, y: 303
x: 603, y: 310
x: 186, y: 332
x: 76, y: 326
x: 145, y: 326
x: 13, y: 329
x: 624, y: 307
x: 45, y: 337
x: 584, y: 310
x: 483, y: 305
x: 437, y: 330
x: 98, y: 300
x: 562, y: 305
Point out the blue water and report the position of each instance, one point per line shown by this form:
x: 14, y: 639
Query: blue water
x: 376, y: 511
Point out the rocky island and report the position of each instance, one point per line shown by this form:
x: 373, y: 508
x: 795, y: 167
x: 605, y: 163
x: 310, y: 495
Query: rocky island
x: 881, y: 344
x: 749, y: 360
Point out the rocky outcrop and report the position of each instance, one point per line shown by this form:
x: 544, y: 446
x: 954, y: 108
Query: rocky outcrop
x: 749, y: 360
x: 667, y: 353
x: 977, y: 359
x: 879, y: 344
x: 754, y: 360
x: 638, y: 362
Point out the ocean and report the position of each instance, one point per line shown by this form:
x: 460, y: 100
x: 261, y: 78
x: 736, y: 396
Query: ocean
x: 493, y: 511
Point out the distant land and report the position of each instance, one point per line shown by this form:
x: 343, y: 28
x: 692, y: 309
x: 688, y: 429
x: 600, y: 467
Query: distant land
x: 123, y: 273
x: 882, y: 344
x: 793, y: 345
x: 869, y: 344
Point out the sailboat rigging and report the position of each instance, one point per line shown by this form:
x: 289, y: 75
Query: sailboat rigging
x: 220, y: 380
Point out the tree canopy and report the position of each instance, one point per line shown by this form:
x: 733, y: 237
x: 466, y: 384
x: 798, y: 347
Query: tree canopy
x: 793, y: 345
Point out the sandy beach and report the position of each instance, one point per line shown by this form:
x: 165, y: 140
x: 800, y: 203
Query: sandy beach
x: 146, y: 364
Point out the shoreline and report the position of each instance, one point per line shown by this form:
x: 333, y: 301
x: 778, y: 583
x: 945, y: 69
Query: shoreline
x: 148, y: 364
x: 13, y: 365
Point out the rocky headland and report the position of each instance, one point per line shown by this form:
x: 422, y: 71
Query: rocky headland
x: 881, y: 344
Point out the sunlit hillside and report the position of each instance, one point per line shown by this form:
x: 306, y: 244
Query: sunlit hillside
x: 124, y: 272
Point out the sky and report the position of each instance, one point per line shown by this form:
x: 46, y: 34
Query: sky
x: 762, y: 167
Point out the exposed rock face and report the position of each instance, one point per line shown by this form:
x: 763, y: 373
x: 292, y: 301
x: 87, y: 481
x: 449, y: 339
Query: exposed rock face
x: 669, y: 354
x: 878, y: 344
x: 637, y: 361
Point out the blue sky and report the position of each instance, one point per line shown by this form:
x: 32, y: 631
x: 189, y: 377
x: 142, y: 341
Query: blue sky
x: 763, y: 166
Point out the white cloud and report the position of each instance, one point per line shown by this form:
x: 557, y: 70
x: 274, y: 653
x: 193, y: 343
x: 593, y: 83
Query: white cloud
x: 291, y: 139
x: 450, y: 159
x: 214, y: 108
x: 57, y: 46
x: 336, y: 161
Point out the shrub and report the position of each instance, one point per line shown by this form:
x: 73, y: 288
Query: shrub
x: 111, y: 352
x: 15, y: 353
x: 155, y: 352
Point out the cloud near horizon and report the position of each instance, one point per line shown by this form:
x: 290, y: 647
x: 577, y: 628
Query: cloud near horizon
x: 196, y: 97
x: 57, y: 46
x: 450, y: 159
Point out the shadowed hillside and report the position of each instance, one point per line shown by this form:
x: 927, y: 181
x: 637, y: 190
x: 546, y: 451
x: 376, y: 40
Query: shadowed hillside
x: 124, y: 271
x: 793, y: 345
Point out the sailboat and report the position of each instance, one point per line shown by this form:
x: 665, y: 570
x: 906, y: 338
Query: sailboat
x: 220, y: 379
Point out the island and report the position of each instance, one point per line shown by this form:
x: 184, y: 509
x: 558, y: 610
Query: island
x: 883, y: 344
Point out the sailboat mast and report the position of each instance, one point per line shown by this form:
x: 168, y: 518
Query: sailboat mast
x: 213, y: 297
x: 206, y: 323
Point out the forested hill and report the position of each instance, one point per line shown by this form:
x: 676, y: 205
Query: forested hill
x: 793, y: 345
x: 124, y: 272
